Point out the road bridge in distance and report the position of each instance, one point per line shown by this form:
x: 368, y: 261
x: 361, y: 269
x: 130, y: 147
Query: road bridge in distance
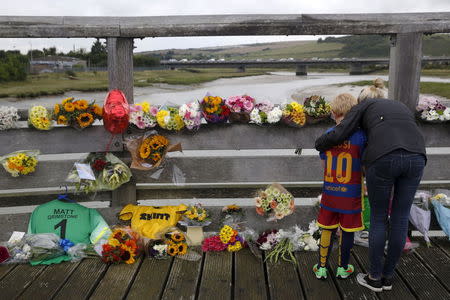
x: 355, y: 64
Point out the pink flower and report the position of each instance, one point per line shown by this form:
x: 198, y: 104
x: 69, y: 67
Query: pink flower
x: 236, y: 108
x: 248, y: 106
x: 153, y: 111
x: 140, y: 124
x: 135, y: 108
x: 213, y: 243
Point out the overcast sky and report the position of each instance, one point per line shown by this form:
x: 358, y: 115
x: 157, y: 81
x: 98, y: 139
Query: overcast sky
x: 194, y: 7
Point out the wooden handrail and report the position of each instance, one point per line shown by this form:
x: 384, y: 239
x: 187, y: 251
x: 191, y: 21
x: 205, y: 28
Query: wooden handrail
x: 221, y: 25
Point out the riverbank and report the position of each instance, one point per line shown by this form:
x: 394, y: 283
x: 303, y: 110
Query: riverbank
x: 60, y: 83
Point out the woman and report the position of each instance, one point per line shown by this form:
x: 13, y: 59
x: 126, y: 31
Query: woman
x: 394, y: 160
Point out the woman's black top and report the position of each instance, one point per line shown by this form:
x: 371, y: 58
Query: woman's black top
x: 389, y: 125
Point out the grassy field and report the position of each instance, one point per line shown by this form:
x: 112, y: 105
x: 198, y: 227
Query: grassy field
x: 58, y: 83
x: 436, y: 88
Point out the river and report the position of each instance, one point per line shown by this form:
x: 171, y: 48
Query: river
x: 277, y: 87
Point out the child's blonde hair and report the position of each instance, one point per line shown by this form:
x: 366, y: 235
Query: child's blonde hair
x: 374, y: 91
x: 342, y: 104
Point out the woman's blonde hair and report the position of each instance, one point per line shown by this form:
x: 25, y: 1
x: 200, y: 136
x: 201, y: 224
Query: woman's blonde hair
x: 342, y: 104
x: 374, y: 91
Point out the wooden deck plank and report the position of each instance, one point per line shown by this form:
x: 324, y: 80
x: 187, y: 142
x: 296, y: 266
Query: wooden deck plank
x: 314, y: 288
x: 436, y: 260
x: 116, y: 281
x: 283, y: 281
x: 443, y: 244
x: 250, y: 282
x: 13, y: 284
x: 49, y: 281
x: 216, y: 282
x: 399, y: 289
x: 83, y: 280
x: 349, y: 287
x: 5, y: 269
x: 419, y: 279
x: 143, y: 287
x: 183, y: 279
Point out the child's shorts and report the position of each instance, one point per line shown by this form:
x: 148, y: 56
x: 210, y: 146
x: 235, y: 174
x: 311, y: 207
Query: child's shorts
x: 348, y: 222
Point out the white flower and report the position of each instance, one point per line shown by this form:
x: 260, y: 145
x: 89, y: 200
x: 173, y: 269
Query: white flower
x: 8, y: 117
x: 446, y: 114
x: 274, y: 115
x: 255, y: 117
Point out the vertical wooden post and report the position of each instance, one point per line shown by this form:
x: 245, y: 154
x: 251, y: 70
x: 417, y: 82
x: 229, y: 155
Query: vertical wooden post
x: 404, y: 68
x: 120, y: 73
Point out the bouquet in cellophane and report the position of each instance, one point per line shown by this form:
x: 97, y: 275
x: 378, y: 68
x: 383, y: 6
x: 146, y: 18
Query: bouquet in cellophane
x: 227, y: 239
x: 293, y: 114
x: 168, y: 117
x: 214, y: 109
x: 123, y: 246
x: 143, y: 115
x: 316, y: 108
x: 99, y: 171
x: 275, y: 202
x: 265, y: 112
x: 240, y: 108
x: 148, y: 151
x: 191, y: 115
x: 77, y: 113
x: 432, y: 110
x: 21, y: 162
x: 8, y: 117
x: 39, y: 118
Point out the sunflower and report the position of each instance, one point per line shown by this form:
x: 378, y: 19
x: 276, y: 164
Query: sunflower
x: 67, y: 100
x: 144, y: 150
x: 177, y: 237
x: 56, y: 109
x: 182, y: 249
x: 69, y: 107
x: 85, y: 119
x: 62, y: 120
x: 172, y: 250
x: 97, y: 110
x: 81, y: 104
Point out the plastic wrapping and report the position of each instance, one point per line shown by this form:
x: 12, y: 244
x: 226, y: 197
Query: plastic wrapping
x: 8, y: 117
x: 39, y: 118
x: 293, y: 114
x: 177, y: 244
x: 99, y: 171
x: 441, y: 205
x: 80, y: 251
x: 195, y: 215
x: 78, y: 114
x: 431, y: 110
x: 44, y: 246
x: 214, y: 109
x: 275, y: 202
x: 149, y: 150
x: 169, y: 118
x: 116, y: 112
x: 233, y: 215
x: 191, y: 115
x: 143, y: 115
x: 20, y: 162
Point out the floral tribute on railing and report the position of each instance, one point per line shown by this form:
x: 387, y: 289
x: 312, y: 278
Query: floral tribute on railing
x: 39, y: 118
x: 191, y: 115
x: 8, y: 117
x: 143, y: 115
x: 20, y: 162
x: 316, y: 108
x: 293, y: 114
x: 432, y: 110
x: 265, y: 112
x: 77, y: 113
x: 168, y: 117
x: 214, y: 109
x: 240, y: 108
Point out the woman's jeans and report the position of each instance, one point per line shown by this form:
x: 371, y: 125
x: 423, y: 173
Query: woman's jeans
x: 399, y: 171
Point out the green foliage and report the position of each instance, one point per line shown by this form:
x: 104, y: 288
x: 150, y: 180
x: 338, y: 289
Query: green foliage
x: 145, y: 61
x: 71, y: 73
x: 98, y: 56
x: 13, y: 66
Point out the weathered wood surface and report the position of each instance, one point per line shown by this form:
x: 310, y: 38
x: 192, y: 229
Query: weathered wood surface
x: 252, y: 279
x: 225, y: 25
x: 59, y: 140
x: 405, y: 68
x: 120, y: 65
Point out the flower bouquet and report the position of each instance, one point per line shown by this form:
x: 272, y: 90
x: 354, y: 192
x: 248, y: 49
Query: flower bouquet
x: 232, y: 215
x: 214, y: 109
x: 148, y: 151
x: 275, y: 201
x: 99, y: 171
x: 20, y: 162
x: 191, y: 115
x: 176, y: 243
x: 432, y: 110
x: 8, y: 117
x: 441, y: 205
x: 40, y: 118
x: 265, y: 112
x: 77, y: 113
x: 142, y: 115
x: 228, y: 239
x: 293, y: 114
x: 157, y: 249
x: 168, y: 117
x: 123, y: 245
x: 240, y: 108
x: 194, y: 219
x: 317, y: 109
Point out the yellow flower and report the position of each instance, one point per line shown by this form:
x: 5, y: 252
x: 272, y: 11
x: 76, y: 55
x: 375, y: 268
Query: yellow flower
x: 160, y: 117
x: 56, y: 109
x: 67, y: 100
x: 172, y: 249
x: 144, y: 150
x: 145, y: 106
x: 69, y: 107
x: 97, y: 110
x: 182, y: 249
x: 237, y: 246
x: 62, y: 120
x: 85, y: 119
x: 114, y: 242
x: 81, y: 104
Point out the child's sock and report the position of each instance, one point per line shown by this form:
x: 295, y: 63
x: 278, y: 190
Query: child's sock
x: 345, y: 245
x: 325, y: 246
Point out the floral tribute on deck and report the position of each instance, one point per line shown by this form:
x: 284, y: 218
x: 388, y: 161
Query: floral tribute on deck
x: 21, y: 162
x: 77, y: 113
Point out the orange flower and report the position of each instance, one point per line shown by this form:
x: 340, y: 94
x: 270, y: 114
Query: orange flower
x: 69, y: 107
x: 81, y: 104
x: 62, y: 120
x: 144, y: 150
x: 85, y: 119
x: 67, y: 100
x: 273, y: 204
x: 97, y: 110
x: 56, y: 109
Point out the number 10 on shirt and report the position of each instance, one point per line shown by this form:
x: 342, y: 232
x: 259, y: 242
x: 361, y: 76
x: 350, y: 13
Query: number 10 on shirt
x: 339, y: 167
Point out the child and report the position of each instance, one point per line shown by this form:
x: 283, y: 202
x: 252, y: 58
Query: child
x: 341, y: 203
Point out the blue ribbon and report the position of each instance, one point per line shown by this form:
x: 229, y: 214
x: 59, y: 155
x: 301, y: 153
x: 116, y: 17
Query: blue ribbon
x: 66, y: 244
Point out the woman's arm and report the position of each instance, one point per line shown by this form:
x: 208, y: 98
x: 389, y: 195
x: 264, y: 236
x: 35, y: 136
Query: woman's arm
x: 341, y: 132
